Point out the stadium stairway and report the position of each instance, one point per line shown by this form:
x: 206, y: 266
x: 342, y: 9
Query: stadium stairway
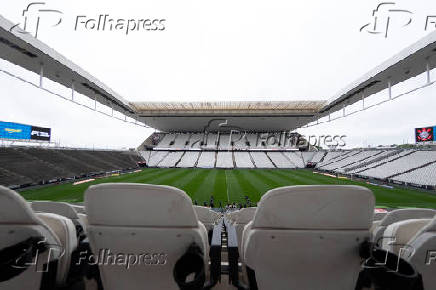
x: 289, y: 159
x: 181, y: 157
x: 413, y: 169
x: 272, y: 162
x: 339, y: 158
x: 29, y: 165
x: 376, y: 159
x: 393, y: 159
x: 9, y: 177
x: 198, y: 158
x: 361, y: 161
x: 34, y: 154
x: 252, y: 160
x: 78, y: 166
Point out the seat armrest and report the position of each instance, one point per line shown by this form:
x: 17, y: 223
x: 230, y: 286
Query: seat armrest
x: 215, y: 256
x: 233, y: 254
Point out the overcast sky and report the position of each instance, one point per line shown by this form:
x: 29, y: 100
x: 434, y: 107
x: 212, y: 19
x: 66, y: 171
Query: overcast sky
x: 223, y: 50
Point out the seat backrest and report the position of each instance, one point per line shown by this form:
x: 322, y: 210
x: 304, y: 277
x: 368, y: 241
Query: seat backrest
x: 66, y: 232
x: 400, y: 215
x: 399, y: 234
x: 244, y: 217
x: 232, y: 216
x: 18, y: 223
x: 60, y: 208
x: 307, y: 237
x: 154, y: 224
x: 206, y: 216
x: 424, y: 257
x: 79, y: 208
x: 379, y: 216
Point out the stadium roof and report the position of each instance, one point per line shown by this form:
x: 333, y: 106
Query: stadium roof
x: 253, y: 116
x: 24, y: 50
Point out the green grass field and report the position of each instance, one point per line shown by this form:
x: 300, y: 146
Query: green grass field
x: 232, y: 185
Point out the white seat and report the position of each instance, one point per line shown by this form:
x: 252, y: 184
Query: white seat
x: 152, y: 220
x: 400, y: 215
x: 65, y: 230
x: 398, y: 235
x: 18, y: 223
x: 307, y: 237
x: 243, y: 218
x: 61, y: 208
x: 379, y: 216
x: 79, y: 208
x: 206, y: 216
x: 424, y: 256
x: 232, y: 216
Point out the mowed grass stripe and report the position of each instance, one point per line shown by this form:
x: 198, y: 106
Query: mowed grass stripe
x: 168, y: 178
x: 201, y: 183
x: 196, y: 187
x: 220, y: 186
x: 384, y: 196
x: 75, y: 193
x: 236, y: 191
x: 256, y: 185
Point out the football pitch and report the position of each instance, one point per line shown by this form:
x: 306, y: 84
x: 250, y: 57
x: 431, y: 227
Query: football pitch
x: 232, y: 185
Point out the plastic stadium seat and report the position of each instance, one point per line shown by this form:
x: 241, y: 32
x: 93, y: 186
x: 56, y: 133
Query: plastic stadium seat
x: 398, y: 235
x: 378, y: 216
x: 206, y: 216
x: 66, y: 210
x: 152, y: 220
x: 308, y: 237
x: 424, y: 253
x: 244, y: 217
x: 400, y: 215
x: 79, y: 208
x: 18, y: 223
x: 66, y: 232
x: 232, y: 216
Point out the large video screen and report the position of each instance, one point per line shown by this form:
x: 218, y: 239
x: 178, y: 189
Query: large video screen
x: 425, y: 134
x: 9, y: 130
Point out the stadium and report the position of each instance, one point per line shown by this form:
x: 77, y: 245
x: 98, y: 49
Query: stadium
x: 218, y: 194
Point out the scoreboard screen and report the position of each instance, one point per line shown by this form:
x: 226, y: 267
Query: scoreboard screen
x: 425, y: 134
x: 9, y: 130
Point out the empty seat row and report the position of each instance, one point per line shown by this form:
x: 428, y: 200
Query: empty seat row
x: 47, y: 231
x: 299, y: 237
x: 411, y: 234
